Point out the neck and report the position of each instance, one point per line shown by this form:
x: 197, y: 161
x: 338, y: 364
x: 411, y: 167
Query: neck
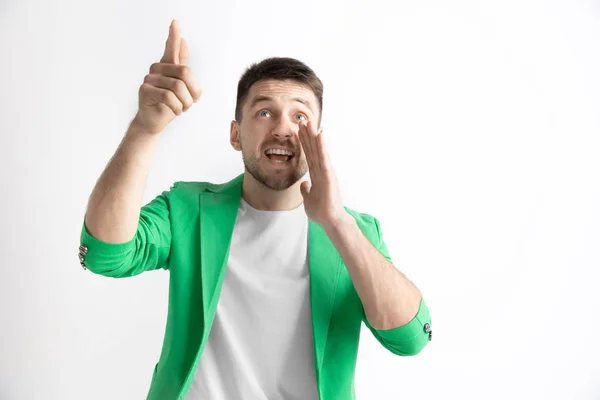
x: 262, y: 198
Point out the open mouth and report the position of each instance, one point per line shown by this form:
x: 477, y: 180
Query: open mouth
x: 279, y: 155
x: 279, y: 158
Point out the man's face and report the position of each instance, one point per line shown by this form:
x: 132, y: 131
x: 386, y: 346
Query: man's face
x: 270, y: 118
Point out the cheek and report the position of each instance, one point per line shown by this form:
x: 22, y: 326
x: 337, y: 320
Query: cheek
x: 246, y: 137
x: 252, y: 145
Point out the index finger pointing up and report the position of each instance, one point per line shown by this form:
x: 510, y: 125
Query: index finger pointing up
x: 184, y: 54
x: 173, y: 45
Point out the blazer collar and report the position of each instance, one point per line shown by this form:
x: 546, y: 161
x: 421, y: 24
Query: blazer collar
x: 218, y: 211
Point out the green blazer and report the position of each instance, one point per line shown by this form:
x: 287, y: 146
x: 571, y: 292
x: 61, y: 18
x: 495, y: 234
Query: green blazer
x: 187, y: 230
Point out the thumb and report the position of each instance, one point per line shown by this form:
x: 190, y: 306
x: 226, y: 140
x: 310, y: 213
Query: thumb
x: 305, y: 188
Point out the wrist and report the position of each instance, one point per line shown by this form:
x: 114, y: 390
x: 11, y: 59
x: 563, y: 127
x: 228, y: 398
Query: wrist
x: 137, y: 128
x: 340, y: 223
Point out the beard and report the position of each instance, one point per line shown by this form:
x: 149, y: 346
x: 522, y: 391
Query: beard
x: 274, y: 179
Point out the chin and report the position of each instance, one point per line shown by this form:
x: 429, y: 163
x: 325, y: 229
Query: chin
x: 280, y: 182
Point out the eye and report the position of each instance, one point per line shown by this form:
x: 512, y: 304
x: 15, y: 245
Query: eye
x: 260, y: 113
x: 303, y: 116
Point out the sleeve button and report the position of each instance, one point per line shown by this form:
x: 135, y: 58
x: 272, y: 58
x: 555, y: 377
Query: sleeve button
x: 427, y: 329
x: 83, y: 250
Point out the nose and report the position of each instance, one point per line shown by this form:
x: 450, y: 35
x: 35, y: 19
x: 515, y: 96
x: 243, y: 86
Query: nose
x: 284, y: 128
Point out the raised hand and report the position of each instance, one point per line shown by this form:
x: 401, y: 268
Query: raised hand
x: 170, y: 88
x: 322, y: 199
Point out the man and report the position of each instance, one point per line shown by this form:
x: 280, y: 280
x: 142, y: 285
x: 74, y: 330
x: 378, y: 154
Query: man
x: 270, y: 277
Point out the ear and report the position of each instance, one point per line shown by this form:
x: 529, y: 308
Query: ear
x: 234, y: 136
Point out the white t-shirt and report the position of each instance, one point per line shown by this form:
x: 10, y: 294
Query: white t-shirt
x: 260, y: 346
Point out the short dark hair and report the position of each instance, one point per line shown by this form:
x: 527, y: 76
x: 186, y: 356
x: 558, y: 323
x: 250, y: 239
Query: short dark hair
x: 278, y: 68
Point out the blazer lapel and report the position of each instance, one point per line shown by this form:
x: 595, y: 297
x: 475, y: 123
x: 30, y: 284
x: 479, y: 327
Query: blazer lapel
x: 325, y: 264
x: 218, y: 212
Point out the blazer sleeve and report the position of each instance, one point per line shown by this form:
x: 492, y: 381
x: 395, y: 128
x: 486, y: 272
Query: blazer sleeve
x: 148, y: 250
x: 411, y: 338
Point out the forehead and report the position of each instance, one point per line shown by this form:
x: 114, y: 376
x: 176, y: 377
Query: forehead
x: 281, y: 90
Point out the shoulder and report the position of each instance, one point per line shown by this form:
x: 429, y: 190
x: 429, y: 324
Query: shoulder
x: 367, y: 222
x: 232, y: 187
x: 185, y: 188
x: 189, y: 187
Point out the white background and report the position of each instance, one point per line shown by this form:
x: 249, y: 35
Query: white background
x: 470, y: 129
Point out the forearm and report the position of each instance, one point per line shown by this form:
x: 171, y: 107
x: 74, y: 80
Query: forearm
x: 114, y: 206
x: 390, y: 300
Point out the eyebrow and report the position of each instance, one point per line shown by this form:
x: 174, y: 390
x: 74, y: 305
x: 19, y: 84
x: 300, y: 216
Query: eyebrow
x: 258, y: 99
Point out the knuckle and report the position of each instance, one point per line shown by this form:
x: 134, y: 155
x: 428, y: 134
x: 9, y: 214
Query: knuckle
x: 166, y: 95
x: 180, y: 86
x: 143, y: 88
x: 174, y: 100
x: 185, y: 72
